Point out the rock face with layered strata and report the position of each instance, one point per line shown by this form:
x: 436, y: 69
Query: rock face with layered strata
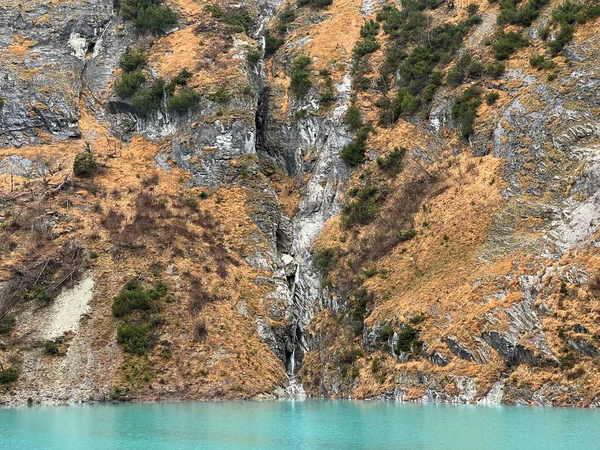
x: 229, y: 201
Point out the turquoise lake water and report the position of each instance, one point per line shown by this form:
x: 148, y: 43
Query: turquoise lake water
x: 298, y: 425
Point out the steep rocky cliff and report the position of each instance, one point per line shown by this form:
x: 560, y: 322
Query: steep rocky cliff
x: 263, y: 199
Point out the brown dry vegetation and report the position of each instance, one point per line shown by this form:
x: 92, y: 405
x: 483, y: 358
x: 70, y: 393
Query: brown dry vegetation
x: 447, y: 270
x: 137, y: 223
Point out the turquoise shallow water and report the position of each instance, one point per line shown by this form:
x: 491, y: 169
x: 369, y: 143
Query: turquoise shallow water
x: 298, y: 425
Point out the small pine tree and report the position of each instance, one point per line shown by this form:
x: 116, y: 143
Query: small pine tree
x: 84, y: 165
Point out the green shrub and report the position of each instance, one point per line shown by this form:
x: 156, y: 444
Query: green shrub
x: 567, y: 15
x: 491, y: 97
x: 362, y: 83
x: 393, y: 60
x: 524, y: 15
x: 84, y: 165
x: 253, y: 57
x: 539, y: 62
x: 536, y: 61
x: 366, y: 46
x: 9, y: 375
x: 155, y: 19
x: 315, y: 4
x: 220, y: 95
x: 404, y: 103
x: 417, y: 319
x: 353, y: 118
x: 147, y: 15
x: 362, y: 209
x: 392, y: 163
x: 418, y: 77
x: 132, y: 297
x: 129, y: 83
x: 405, y: 24
x: 300, y: 114
x: 564, y: 36
x: 324, y: 259
x: 132, y: 60
x: 370, y: 273
x: 404, y: 236
x: 349, y: 355
x: 147, y: 100
x: 51, y: 348
x: 359, y: 310
x: 239, y: 20
x: 567, y: 361
x: 375, y: 364
x: 507, y: 44
x: 472, y: 8
x: 428, y: 93
x: 386, y: 333
x: 353, y: 153
x: 38, y: 293
x: 327, y: 97
x: 191, y: 202
x: 475, y: 68
x: 570, y: 13
x: 286, y: 16
x: 183, y: 101
x: 2, y: 102
x: 407, y: 338
x: 7, y: 323
x: 159, y: 290
x: 495, y: 68
x: 369, y: 28
x: 134, y: 338
x: 588, y: 12
x: 272, y: 44
x: 455, y: 76
x: 300, y: 82
x: 182, y: 78
x: 465, y: 109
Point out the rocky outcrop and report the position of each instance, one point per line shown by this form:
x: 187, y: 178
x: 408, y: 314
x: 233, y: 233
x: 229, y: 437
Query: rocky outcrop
x: 46, y: 51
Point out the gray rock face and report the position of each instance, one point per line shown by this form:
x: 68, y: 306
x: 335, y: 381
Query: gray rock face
x: 460, y: 350
x: 42, y: 87
x: 578, y: 328
x: 459, y: 389
x: 583, y: 346
x: 372, y: 338
x: 212, y: 147
x: 319, y: 203
x: 513, y: 354
x: 438, y: 359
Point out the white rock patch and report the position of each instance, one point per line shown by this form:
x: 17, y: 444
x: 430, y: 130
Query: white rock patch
x: 580, y: 220
x: 494, y: 396
x: 78, y: 44
x: 67, y: 309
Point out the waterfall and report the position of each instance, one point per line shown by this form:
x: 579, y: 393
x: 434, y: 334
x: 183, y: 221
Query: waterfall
x: 319, y: 202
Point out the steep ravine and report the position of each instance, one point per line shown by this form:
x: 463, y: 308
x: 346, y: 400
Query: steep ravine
x: 320, y: 202
x: 322, y: 138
